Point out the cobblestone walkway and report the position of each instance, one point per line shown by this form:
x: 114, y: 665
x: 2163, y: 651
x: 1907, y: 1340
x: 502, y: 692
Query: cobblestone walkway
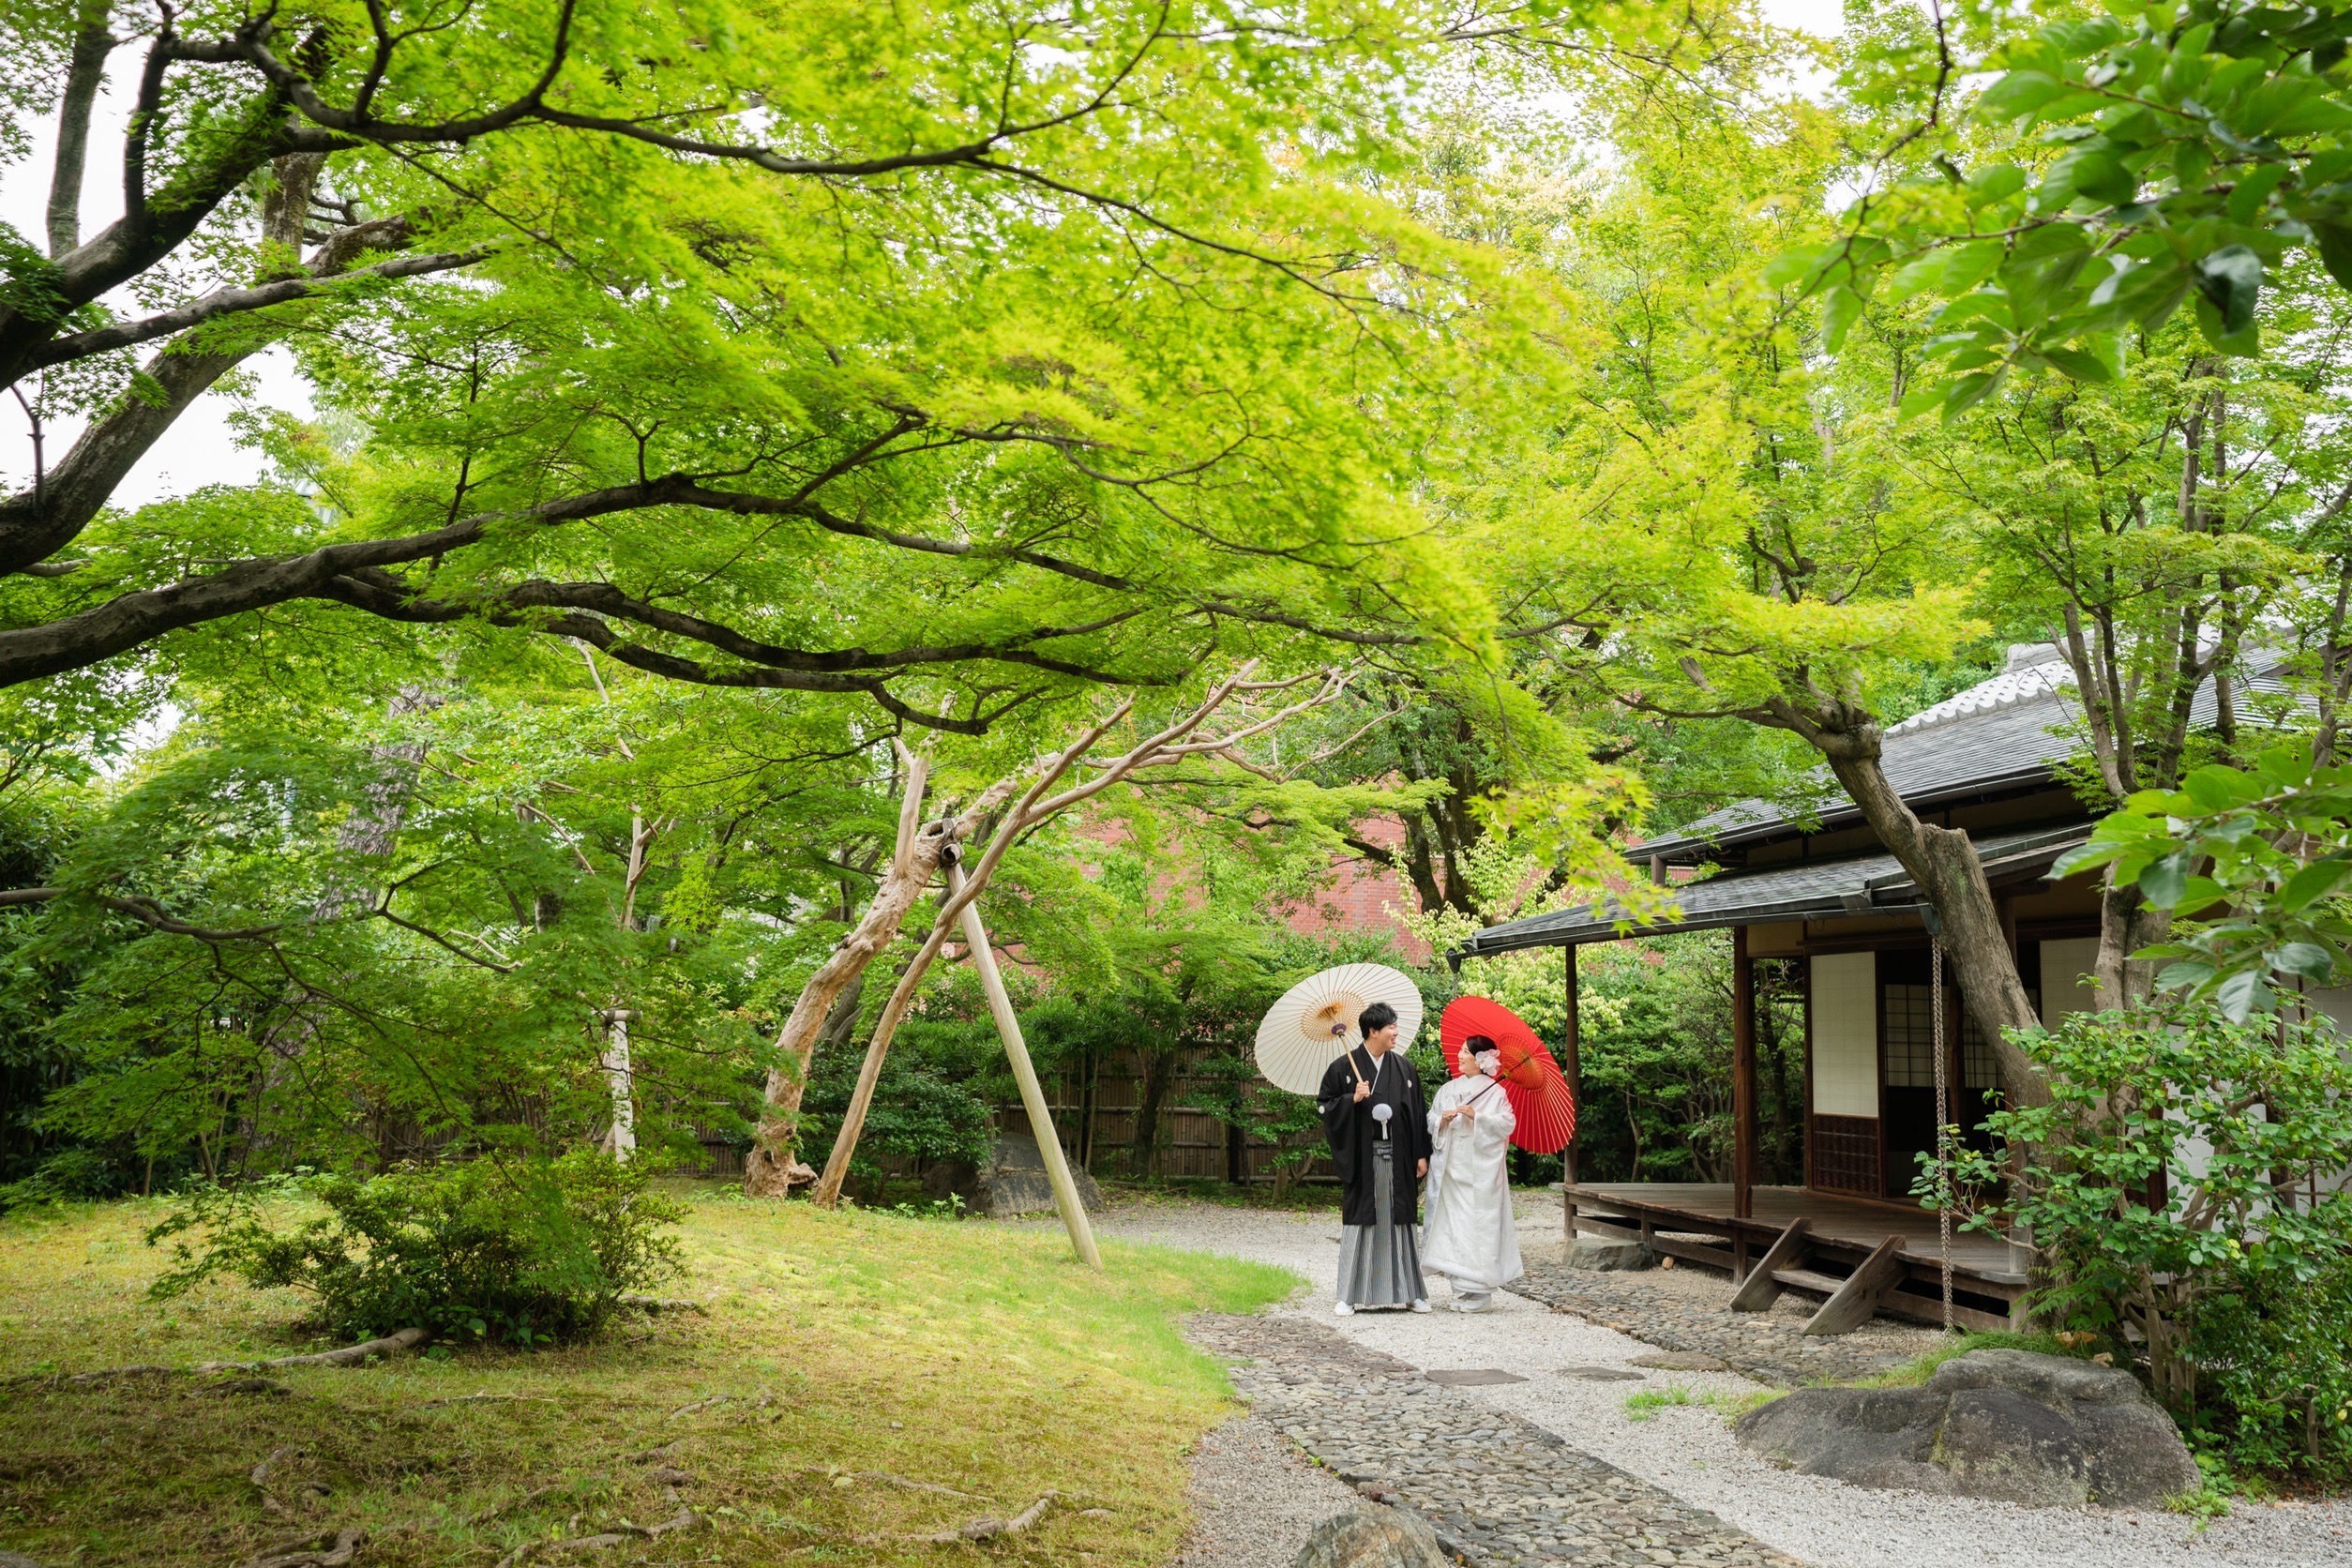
x: 1497, y: 1488
x: 1770, y: 1346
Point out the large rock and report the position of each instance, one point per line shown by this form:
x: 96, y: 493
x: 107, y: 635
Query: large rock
x: 1372, y: 1538
x: 1013, y: 1182
x: 2046, y: 1431
x: 1590, y: 1252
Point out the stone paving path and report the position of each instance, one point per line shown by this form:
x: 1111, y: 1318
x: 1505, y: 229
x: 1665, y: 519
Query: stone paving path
x: 1770, y: 1346
x: 1498, y: 1489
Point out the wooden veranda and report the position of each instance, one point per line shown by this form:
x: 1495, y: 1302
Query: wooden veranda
x: 1862, y: 1257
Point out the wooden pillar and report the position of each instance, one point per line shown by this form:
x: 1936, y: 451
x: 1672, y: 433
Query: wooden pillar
x: 1568, y: 1069
x: 1742, y: 1075
x: 1065, y: 1193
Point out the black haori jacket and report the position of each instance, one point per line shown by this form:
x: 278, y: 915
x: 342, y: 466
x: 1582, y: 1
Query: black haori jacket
x: 1350, y: 1126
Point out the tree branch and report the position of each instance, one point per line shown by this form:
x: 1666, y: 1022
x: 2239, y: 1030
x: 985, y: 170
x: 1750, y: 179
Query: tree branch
x: 225, y: 302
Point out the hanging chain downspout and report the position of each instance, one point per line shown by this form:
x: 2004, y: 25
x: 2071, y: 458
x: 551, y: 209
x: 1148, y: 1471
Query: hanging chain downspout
x: 1944, y: 1128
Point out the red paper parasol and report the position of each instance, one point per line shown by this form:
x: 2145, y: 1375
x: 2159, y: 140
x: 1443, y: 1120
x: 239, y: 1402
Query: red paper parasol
x: 1546, y: 1112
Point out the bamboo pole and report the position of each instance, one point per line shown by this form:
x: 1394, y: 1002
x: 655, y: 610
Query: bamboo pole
x: 1065, y: 1193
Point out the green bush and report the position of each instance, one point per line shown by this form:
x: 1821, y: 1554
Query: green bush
x: 2181, y: 1191
x: 515, y: 1251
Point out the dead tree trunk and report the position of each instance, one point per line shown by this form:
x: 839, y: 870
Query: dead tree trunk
x: 771, y: 1170
x: 1173, y: 745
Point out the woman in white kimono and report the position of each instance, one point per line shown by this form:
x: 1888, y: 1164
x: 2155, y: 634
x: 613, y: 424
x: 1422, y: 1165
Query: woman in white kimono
x: 1470, y: 1237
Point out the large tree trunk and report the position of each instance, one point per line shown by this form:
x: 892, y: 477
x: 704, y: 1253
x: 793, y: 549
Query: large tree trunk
x: 769, y: 1171
x: 828, y: 1189
x: 1944, y: 863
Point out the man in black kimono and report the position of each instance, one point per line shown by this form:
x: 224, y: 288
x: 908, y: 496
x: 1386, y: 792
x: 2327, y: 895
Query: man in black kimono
x: 1377, y: 1122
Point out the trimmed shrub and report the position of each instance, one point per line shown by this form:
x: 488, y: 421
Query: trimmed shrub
x: 520, y: 1252
x: 2183, y: 1187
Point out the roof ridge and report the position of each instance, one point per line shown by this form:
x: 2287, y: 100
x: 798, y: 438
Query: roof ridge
x: 2031, y: 682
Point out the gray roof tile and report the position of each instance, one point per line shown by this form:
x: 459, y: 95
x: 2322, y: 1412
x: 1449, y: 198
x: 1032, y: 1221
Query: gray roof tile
x: 2008, y: 733
x: 1801, y: 890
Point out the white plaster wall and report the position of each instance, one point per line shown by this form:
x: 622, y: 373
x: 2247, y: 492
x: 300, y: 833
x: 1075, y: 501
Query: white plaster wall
x: 2335, y: 1004
x: 2065, y: 989
x: 1846, y: 1034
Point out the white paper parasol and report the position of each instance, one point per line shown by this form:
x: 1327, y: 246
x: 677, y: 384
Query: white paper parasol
x: 1315, y: 1020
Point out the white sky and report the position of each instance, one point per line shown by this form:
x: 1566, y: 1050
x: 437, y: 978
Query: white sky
x: 1824, y: 18
x: 200, y: 449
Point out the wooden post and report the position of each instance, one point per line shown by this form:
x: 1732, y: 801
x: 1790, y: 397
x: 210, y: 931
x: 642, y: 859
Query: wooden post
x: 1857, y: 1300
x: 1568, y: 1069
x: 1742, y: 1076
x: 1760, y: 1289
x: 1066, y: 1192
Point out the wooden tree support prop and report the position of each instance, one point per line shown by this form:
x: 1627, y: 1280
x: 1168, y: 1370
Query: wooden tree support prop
x: 1759, y: 1291
x: 1065, y: 1193
x: 1857, y: 1300
x: 1174, y: 745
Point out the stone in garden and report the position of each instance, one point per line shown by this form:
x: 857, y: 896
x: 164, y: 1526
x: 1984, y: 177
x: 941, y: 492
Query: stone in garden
x: 1677, y: 1361
x: 1602, y: 1374
x: 2044, y: 1431
x: 1586, y: 1253
x: 1013, y: 1181
x: 1474, y: 1376
x: 1372, y: 1538
x: 17, y: 1559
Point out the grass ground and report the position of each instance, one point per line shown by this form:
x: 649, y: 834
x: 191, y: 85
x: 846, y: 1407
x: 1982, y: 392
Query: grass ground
x: 1915, y: 1372
x: 950, y: 1355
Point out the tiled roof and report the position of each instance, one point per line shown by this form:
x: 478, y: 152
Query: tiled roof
x: 1799, y: 890
x: 2031, y: 684
x: 2004, y: 734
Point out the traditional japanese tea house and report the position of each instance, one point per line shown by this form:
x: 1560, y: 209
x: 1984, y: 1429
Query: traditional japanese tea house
x: 1830, y: 900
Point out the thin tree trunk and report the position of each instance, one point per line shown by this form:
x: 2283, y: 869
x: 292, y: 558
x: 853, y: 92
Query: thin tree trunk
x: 372, y: 830
x: 2126, y: 923
x: 1159, y: 1073
x: 85, y: 72
x: 841, y: 1018
x: 620, y: 1140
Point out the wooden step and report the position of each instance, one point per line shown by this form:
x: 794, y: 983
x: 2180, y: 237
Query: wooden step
x: 1807, y: 1279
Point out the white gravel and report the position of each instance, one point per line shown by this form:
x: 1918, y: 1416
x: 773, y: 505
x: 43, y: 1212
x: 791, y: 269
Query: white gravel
x: 1255, y: 1499
x: 1688, y: 1450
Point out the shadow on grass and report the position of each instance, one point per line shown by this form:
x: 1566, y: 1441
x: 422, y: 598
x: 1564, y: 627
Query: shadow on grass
x: 860, y: 1382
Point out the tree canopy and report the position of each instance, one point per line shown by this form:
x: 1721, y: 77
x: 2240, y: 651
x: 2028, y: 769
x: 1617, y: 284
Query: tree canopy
x: 712, y: 403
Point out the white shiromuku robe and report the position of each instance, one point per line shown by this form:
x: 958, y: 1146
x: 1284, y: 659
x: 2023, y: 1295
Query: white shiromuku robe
x: 1468, y: 1235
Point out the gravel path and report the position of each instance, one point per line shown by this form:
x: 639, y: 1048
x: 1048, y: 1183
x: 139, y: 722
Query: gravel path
x: 1255, y: 1499
x: 1499, y: 1488
x: 1688, y: 1452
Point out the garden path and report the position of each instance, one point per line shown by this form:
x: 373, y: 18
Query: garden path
x: 1687, y: 1451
